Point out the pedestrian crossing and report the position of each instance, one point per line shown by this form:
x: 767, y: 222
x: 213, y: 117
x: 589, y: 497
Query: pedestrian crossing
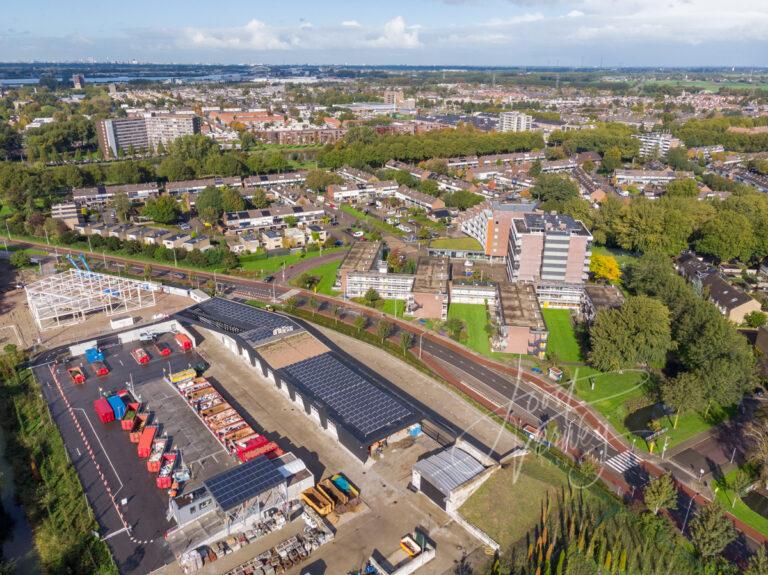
x: 623, y: 462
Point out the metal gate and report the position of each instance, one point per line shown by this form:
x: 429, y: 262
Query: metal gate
x: 437, y: 432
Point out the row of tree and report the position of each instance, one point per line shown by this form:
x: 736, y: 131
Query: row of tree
x: 362, y: 147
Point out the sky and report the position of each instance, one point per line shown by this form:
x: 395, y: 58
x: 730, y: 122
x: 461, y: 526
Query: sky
x: 412, y: 32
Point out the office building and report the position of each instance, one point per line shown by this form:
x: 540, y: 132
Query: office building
x: 514, y: 122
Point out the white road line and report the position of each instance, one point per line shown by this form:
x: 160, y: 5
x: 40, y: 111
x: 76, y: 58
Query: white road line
x: 123, y: 530
x: 624, y: 461
x: 77, y: 449
x: 104, y: 451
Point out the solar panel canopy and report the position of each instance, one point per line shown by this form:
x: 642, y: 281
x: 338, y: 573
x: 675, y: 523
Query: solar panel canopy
x: 355, y: 402
x: 235, y: 486
x: 254, y: 325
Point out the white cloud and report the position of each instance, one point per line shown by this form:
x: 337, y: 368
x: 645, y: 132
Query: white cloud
x: 396, y: 34
x: 519, y: 19
x: 350, y: 24
x: 575, y: 14
x: 255, y: 35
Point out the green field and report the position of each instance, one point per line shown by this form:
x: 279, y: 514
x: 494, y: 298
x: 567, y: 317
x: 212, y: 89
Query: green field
x: 508, y: 504
x: 561, y: 341
x: 395, y: 307
x: 268, y: 265
x: 467, y: 243
x: 475, y: 320
x: 327, y: 274
x: 709, y: 85
x: 739, y: 509
x: 622, y: 257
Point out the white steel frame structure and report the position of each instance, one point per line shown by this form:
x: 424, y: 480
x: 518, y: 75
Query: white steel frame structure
x: 65, y: 298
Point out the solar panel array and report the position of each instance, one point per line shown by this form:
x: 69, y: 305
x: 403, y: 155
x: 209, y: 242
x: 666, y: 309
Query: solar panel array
x: 244, y: 482
x: 360, y: 404
x: 252, y: 324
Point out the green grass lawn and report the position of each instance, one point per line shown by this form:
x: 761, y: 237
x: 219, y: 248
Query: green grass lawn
x: 709, y: 85
x: 466, y: 243
x: 623, y: 257
x: 395, y: 307
x: 253, y: 262
x: 508, y: 504
x: 371, y: 220
x: 739, y: 509
x: 475, y: 320
x: 327, y: 274
x: 561, y: 341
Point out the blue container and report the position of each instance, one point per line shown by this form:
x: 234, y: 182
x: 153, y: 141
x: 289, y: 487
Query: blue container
x: 118, y: 406
x: 93, y: 354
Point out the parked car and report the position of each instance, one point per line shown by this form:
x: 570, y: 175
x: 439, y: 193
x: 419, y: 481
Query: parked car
x: 269, y: 278
x: 358, y: 234
x: 163, y: 348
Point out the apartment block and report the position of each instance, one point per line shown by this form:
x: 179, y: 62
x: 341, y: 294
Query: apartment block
x: 514, y: 122
x: 271, y: 218
x: 489, y: 223
x: 521, y: 327
x: 69, y: 213
x: 140, y: 133
x: 430, y: 289
x: 654, y: 144
x: 552, y: 251
x: 645, y: 177
x: 96, y: 196
x: 363, y: 269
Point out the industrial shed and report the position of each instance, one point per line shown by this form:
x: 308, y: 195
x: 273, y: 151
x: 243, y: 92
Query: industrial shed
x: 331, y: 389
x: 449, y: 477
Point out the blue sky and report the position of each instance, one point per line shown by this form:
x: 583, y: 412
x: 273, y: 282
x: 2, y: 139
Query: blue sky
x: 447, y: 32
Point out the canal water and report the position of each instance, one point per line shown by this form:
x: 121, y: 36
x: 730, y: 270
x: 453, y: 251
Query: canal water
x: 19, y: 548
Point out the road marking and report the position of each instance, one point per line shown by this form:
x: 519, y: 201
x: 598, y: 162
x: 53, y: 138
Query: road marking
x: 623, y: 462
x: 77, y: 449
x: 118, y: 532
x: 104, y: 451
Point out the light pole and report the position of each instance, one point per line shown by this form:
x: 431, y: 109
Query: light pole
x: 685, y: 521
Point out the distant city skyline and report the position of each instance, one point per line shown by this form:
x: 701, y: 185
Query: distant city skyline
x: 420, y: 32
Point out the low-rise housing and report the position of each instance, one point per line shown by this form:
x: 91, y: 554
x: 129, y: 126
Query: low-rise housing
x: 96, y: 196
x: 599, y: 297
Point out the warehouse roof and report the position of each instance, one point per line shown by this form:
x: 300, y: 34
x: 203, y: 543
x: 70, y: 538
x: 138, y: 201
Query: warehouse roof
x: 244, y: 482
x: 253, y: 325
x: 353, y: 401
x: 449, y: 469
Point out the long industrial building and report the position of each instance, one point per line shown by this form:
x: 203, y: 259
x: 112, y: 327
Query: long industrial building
x: 361, y: 414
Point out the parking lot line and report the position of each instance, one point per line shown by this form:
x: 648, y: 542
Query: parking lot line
x: 104, y: 451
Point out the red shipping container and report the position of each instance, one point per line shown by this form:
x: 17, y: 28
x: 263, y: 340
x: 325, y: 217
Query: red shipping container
x: 164, y: 479
x: 104, y: 410
x: 183, y: 341
x: 138, y: 428
x: 145, y: 441
x: 249, y: 446
x: 263, y: 450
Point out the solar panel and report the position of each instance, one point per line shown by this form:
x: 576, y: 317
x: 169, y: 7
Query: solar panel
x: 360, y: 404
x: 244, y: 482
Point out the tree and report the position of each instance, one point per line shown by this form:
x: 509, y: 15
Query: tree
x: 314, y: 303
x: 383, y: 329
x: 660, y: 493
x: 683, y: 393
x: 231, y: 200
x: 758, y: 563
x: 588, y: 166
x: 605, y: 268
x: 291, y: 304
x: 677, y: 158
x: 755, y: 319
x: 554, y: 190
x: 611, y: 160
x: 318, y: 179
x: 209, y: 204
x: 371, y: 296
x: 727, y: 236
x: 637, y: 333
x: 755, y: 434
x: 455, y: 328
x: 685, y: 188
x: 711, y: 530
x: 739, y: 483
x: 406, y: 340
x: 163, y: 210
x: 20, y: 259
x: 291, y: 221
x: 361, y: 322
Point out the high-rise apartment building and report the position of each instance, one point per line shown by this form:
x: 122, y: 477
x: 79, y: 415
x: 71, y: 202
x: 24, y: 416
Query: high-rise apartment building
x: 489, y: 223
x: 78, y: 81
x: 394, y: 97
x: 143, y: 132
x: 514, y: 122
x: 654, y: 144
x: 552, y: 251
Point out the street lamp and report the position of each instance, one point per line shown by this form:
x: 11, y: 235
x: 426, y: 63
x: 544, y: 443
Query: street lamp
x: 687, y: 512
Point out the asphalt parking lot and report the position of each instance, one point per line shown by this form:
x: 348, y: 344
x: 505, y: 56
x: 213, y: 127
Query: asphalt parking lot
x: 141, y: 549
